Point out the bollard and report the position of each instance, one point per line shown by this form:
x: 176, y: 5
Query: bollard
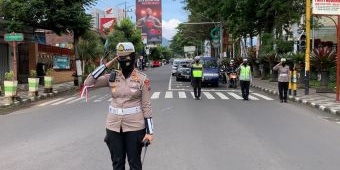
x: 294, y: 82
x: 290, y: 83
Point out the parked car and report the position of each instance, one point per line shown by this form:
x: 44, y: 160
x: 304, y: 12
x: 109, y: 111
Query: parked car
x: 174, y: 66
x: 183, y: 70
x: 210, y: 71
x: 155, y: 63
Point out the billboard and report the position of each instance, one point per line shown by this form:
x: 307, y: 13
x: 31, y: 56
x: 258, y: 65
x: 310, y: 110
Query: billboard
x: 326, y: 7
x: 107, y: 23
x: 148, y: 19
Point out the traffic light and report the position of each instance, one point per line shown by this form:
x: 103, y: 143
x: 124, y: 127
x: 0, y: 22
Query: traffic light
x: 302, y: 42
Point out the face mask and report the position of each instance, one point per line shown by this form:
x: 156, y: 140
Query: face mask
x: 283, y: 64
x: 127, y: 63
x: 197, y: 62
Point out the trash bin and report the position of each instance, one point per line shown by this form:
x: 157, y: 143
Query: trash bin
x: 41, y: 72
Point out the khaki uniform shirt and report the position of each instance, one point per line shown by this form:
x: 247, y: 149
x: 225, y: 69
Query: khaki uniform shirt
x: 283, y: 73
x: 126, y: 93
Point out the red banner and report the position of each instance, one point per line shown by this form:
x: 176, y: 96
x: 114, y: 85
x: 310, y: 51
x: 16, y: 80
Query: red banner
x: 149, y: 19
x: 107, y: 23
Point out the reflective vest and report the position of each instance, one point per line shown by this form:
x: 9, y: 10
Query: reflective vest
x: 245, y: 73
x: 197, y: 70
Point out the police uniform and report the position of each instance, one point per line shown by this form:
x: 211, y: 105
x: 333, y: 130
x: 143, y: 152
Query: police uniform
x: 245, y: 78
x: 196, y: 76
x: 129, y: 115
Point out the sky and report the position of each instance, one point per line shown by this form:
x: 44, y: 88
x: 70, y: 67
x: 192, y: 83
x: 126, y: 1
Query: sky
x: 172, y: 13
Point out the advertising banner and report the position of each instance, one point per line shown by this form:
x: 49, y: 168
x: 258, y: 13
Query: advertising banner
x: 148, y: 19
x: 326, y: 7
x: 107, y: 23
x: 61, y: 62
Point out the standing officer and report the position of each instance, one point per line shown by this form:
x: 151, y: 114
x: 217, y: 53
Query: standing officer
x: 196, y: 77
x: 129, y: 120
x: 245, y: 78
x: 283, y: 79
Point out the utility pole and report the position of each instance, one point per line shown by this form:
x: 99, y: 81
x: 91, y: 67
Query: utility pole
x: 125, y: 10
x: 307, y: 54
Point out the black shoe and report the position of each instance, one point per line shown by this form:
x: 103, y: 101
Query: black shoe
x: 285, y: 101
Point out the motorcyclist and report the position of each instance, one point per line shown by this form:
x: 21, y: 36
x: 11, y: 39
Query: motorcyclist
x: 231, y: 69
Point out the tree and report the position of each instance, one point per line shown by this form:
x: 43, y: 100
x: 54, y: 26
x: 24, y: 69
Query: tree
x: 90, y: 49
x: 62, y: 17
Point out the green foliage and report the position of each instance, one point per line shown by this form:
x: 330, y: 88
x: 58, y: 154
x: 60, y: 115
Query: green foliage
x: 9, y: 76
x: 90, y: 46
x: 33, y: 73
x: 155, y: 54
x: 49, y: 72
x: 125, y: 31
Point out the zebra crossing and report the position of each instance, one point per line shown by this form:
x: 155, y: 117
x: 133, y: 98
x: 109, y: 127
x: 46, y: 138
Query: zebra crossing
x: 208, y: 95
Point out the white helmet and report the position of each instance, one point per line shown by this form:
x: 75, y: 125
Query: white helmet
x: 125, y: 48
x: 197, y: 58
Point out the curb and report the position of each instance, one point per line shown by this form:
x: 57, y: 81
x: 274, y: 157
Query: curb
x: 299, y: 100
x: 41, y: 96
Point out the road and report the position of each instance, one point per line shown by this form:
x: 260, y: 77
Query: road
x: 221, y: 131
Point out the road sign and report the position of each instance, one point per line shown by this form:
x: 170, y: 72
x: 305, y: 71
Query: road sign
x: 189, y: 48
x: 14, y: 37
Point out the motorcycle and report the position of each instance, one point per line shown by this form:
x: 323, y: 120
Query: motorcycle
x: 222, y: 76
x: 233, y: 80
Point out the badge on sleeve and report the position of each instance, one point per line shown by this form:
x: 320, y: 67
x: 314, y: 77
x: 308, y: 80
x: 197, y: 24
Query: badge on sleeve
x: 147, y: 84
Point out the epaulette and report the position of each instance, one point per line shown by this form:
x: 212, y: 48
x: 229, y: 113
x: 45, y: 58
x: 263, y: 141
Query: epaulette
x: 140, y: 72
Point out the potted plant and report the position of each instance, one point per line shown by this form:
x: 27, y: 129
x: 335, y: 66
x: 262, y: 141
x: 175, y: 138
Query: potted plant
x: 33, y: 83
x: 10, y: 85
x: 48, y: 81
x: 322, y: 59
x: 298, y: 60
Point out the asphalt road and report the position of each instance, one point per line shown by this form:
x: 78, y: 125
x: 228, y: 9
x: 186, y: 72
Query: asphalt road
x: 218, y: 132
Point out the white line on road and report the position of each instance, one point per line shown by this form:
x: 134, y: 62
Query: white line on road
x: 63, y: 101
x: 263, y: 96
x: 169, y: 87
x: 208, y: 95
x: 74, y: 100
x: 252, y: 97
x: 182, y: 95
x: 49, y: 102
x: 168, y: 95
x: 222, y: 96
x: 192, y: 94
x: 235, y: 95
x: 155, y: 95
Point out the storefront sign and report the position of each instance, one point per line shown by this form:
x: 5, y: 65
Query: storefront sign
x: 61, y: 62
x: 326, y: 7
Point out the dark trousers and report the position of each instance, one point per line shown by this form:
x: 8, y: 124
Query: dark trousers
x: 196, y: 84
x: 245, y: 89
x: 125, y: 143
x: 283, y: 88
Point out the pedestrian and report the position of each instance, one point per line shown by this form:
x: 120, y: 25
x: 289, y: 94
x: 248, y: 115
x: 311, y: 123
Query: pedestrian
x: 129, y: 120
x: 245, y: 78
x: 196, y: 77
x: 283, y: 79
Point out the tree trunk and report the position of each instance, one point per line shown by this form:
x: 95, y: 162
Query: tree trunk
x: 324, y: 82
x: 256, y: 71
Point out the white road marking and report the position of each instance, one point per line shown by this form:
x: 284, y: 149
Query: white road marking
x: 235, y: 95
x: 169, y: 87
x: 49, y: 102
x: 252, y: 97
x: 168, y: 95
x: 192, y: 94
x: 90, y: 98
x: 222, y: 96
x: 101, y: 98
x: 262, y: 96
x: 155, y: 95
x: 208, y: 95
x: 182, y: 95
x: 75, y: 100
x: 63, y: 101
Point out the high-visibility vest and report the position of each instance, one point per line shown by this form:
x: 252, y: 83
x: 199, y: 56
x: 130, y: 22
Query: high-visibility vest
x: 245, y: 73
x: 197, y: 70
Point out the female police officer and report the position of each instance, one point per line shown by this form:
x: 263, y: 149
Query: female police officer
x: 129, y: 121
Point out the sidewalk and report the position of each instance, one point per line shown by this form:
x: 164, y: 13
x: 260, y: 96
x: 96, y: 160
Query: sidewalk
x: 323, y: 101
x: 23, y: 97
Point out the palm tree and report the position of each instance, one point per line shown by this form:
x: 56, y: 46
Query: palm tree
x: 322, y: 59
